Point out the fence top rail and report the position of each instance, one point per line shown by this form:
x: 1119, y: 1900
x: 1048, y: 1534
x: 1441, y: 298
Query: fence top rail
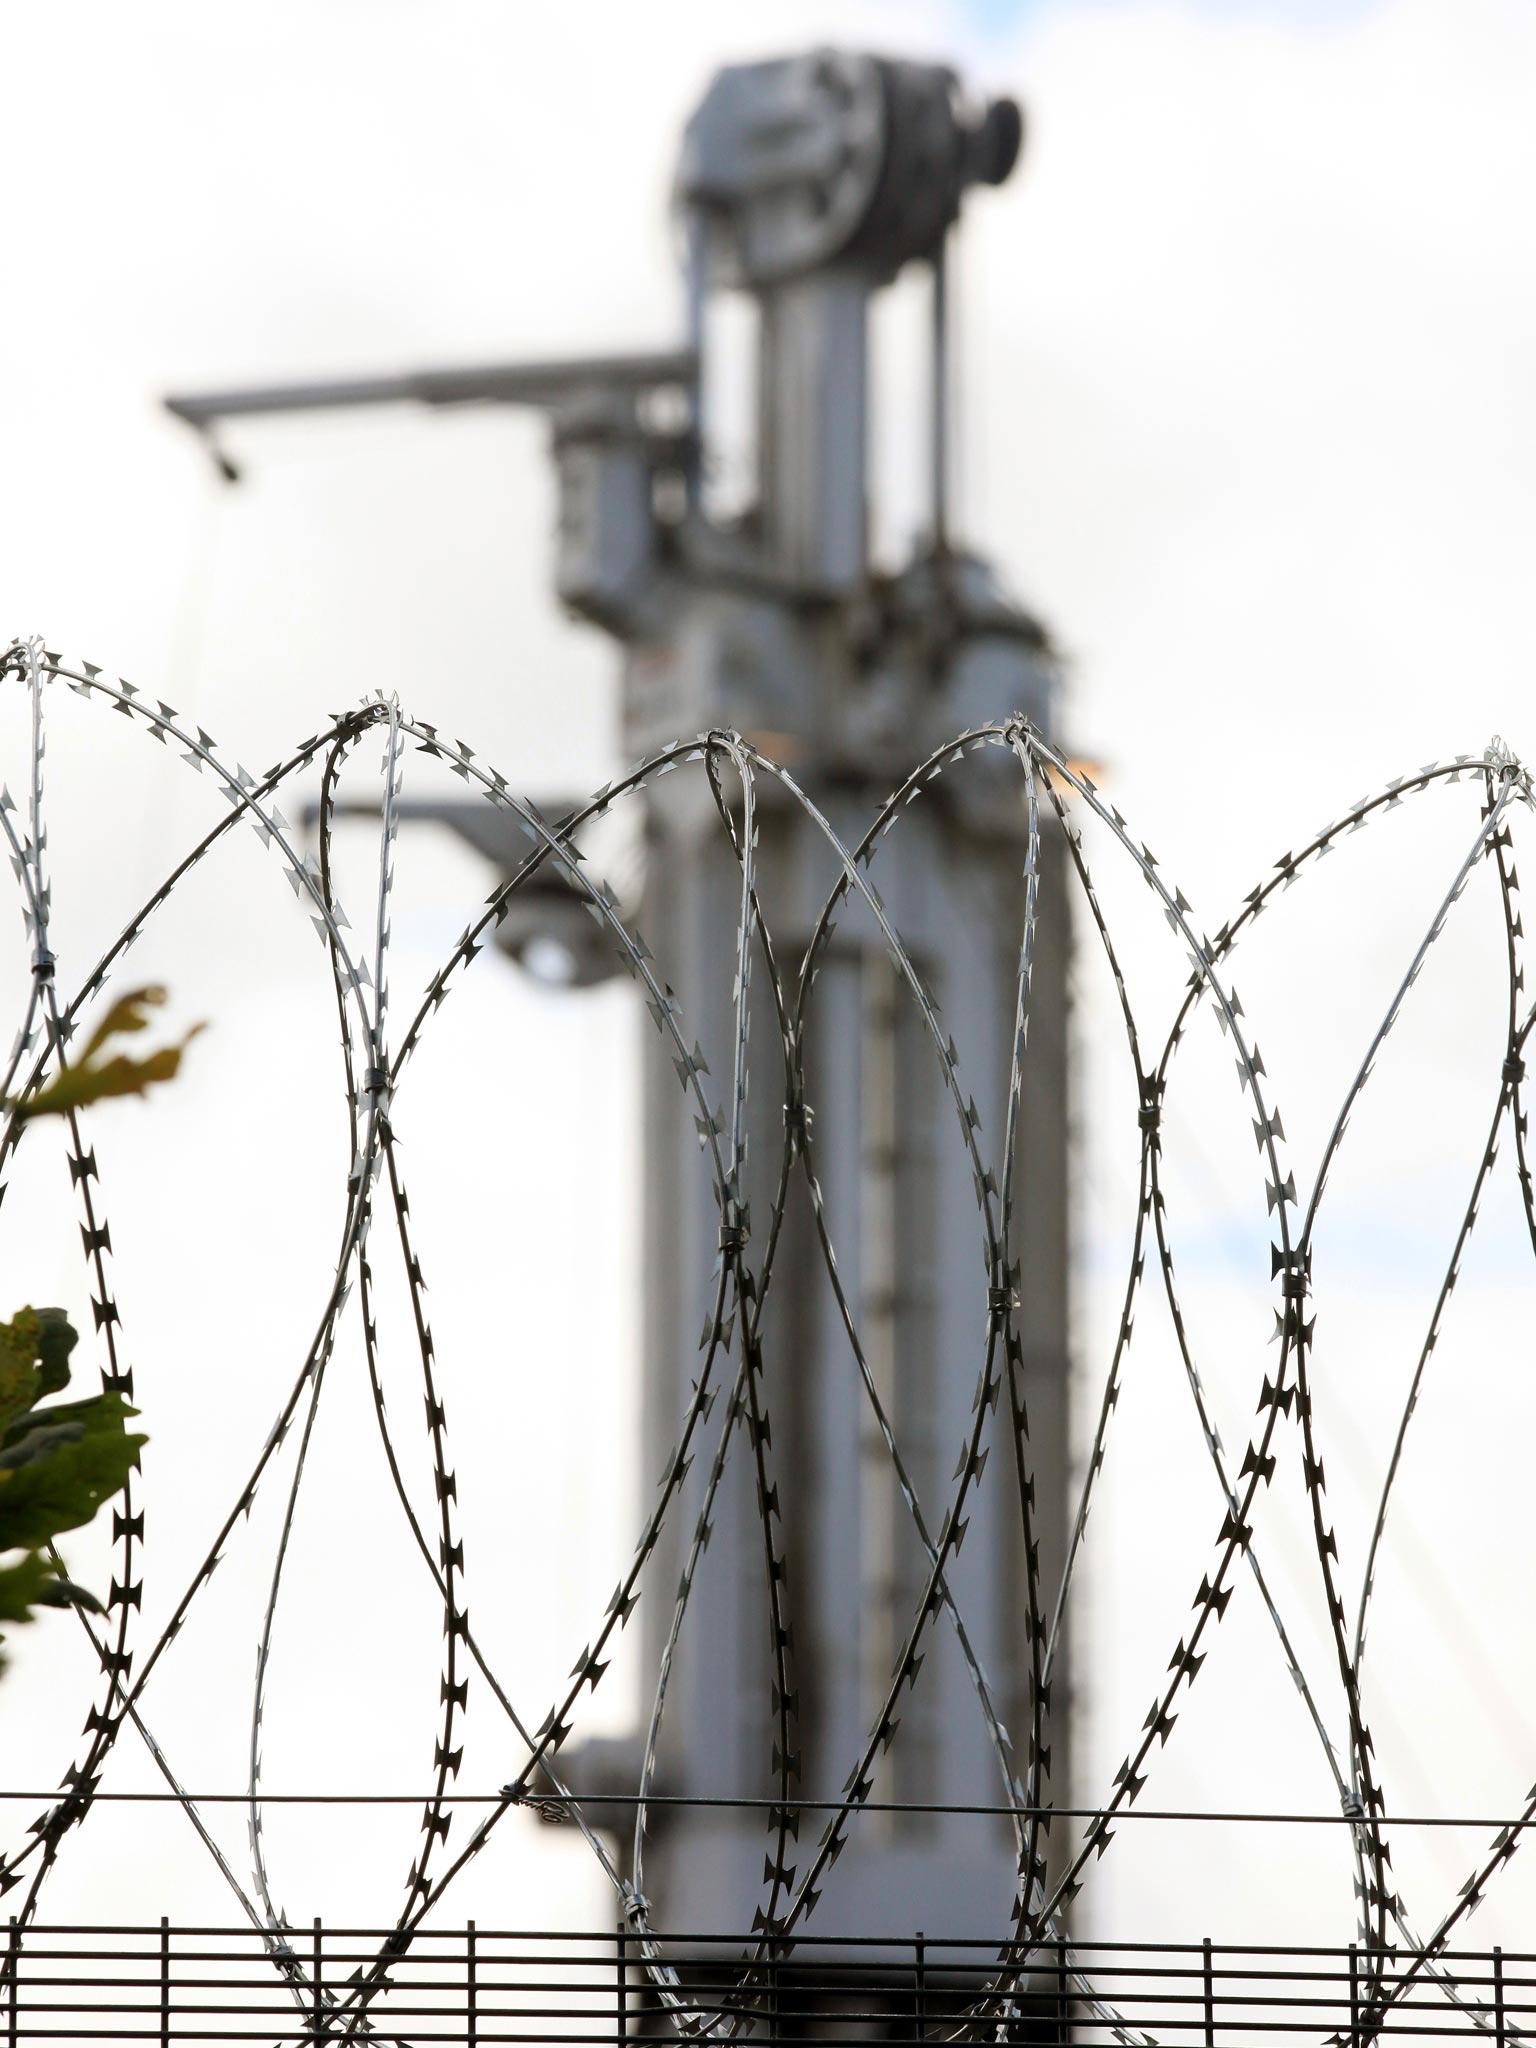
x: 792, y: 1948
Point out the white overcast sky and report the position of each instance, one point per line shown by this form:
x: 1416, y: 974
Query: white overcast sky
x: 1249, y: 415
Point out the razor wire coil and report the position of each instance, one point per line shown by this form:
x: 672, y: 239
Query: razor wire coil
x: 375, y: 1060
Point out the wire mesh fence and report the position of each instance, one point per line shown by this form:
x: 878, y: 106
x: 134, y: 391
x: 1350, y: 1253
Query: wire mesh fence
x: 480, y: 1984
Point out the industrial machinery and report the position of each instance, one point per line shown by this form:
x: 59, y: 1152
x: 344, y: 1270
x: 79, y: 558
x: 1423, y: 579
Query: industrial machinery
x: 805, y: 186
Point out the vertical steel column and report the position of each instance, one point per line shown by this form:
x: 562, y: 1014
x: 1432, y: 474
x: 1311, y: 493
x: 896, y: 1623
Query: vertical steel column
x: 317, y: 2007
x: 775, y: 2017
x: 471, y: 2014
x: 1354, y: 1994
x: 1063, y: 2030
x: 814, y: 432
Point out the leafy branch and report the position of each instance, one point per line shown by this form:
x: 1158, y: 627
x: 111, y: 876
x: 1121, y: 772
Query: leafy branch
x: 98, y: 1074
x: 58, y: 1463
x: 59, y: 1460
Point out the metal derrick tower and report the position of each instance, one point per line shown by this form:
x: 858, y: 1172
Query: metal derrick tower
x: 806, y: 185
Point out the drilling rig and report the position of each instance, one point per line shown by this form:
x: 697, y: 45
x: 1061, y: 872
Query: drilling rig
x: 805, y: 187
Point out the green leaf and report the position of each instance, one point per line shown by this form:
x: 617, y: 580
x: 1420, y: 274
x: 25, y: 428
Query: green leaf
x: 55, y: 1340
x: 34, y: 1581
x: 25, y: 1585
x: 24, y: 1445
x: 34, y: 1359
x: 20, y: 1382
x: 57, y: 1464
x: 63, y: 1592
x: 90, y: 1456
x: 97, y: 1075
